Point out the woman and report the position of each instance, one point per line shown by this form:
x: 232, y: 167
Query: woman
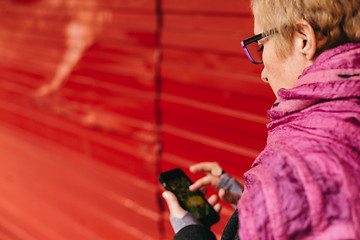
x: 305, y: 184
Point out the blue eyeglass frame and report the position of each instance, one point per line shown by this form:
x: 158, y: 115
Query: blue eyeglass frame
x: 255, y: 39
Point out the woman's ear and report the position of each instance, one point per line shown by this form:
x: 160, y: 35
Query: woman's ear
x: 306, y: 41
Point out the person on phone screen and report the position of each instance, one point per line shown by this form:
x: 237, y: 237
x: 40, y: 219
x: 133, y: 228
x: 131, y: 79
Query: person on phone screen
x: 305, y: 184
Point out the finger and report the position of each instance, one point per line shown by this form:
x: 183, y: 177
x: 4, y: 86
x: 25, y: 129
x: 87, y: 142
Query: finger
x: 213, y: 199
x: 204, y: 167
x: 176, y: 211
x: 228, y: 196
x: 204, y: 181
x: 218, y: 207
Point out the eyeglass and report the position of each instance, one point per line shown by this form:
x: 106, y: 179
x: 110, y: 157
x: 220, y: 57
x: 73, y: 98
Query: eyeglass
x: 253, y: 49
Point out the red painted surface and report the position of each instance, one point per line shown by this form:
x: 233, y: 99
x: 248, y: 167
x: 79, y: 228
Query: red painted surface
x: 97, y: 97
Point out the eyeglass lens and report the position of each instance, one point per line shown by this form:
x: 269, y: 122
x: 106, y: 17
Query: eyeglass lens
x: 255, y: 51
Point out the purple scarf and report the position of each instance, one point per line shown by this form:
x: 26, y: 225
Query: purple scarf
x: 306, y: 182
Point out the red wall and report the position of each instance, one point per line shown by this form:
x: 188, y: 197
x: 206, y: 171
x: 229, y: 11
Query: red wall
x: 98, y: 97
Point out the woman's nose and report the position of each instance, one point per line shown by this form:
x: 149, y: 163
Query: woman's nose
x: 264, y: 76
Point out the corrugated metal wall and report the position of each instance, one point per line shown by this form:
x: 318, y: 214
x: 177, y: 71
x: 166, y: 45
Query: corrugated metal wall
x: 97, y: 97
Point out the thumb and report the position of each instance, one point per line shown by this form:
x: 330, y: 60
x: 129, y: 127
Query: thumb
x: 176, y: 211
x: 228, y: 196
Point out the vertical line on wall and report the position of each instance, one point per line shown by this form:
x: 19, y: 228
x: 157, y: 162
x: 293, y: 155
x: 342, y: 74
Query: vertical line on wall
x: 158, y: 59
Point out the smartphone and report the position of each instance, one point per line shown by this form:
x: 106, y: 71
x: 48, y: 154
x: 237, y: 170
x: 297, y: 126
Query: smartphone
x: 178, y: 182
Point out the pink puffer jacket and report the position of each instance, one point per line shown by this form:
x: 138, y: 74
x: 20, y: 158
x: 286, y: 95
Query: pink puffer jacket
x: 306, y: 182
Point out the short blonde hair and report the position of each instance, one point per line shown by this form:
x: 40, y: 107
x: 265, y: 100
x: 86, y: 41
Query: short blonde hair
x: 337, y: 20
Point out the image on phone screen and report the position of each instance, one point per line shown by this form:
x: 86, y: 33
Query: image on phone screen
x: 192, y: 201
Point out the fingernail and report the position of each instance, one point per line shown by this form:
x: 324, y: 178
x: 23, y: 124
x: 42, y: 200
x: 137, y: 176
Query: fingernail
x: 165, y: 195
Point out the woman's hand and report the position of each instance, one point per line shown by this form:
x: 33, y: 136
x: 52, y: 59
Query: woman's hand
x: 213, y: 174
x: 176, y: 211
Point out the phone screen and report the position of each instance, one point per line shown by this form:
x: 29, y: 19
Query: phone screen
x: 192, y: 201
